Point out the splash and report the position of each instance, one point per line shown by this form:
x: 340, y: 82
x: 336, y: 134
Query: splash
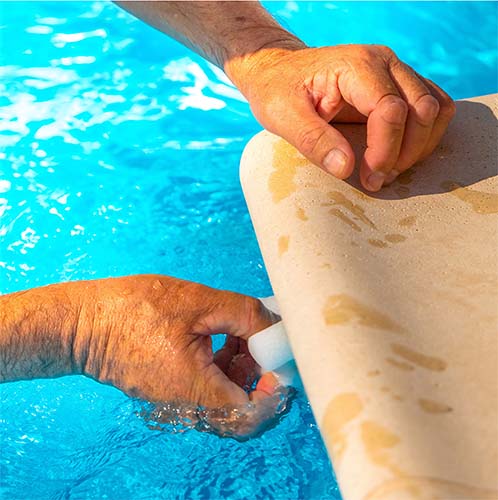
x: 240, y: 422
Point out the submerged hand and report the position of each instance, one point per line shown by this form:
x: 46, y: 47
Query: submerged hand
x: 148, y: 335
x: 296, y: 93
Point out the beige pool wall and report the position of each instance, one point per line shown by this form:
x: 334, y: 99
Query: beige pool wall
x: 390, y: 302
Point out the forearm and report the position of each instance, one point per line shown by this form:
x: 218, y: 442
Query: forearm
x: 38, y: 330
x: 221, y: 32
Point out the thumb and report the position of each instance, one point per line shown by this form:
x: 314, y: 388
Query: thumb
x: 236, y: 314
x: 316, y: 139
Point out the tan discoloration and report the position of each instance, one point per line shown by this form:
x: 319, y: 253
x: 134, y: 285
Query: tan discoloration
x: 428, y: 488
x: 400, y: 364
x: 326, y: 265
x: 481, y: 202
x: 373, y: 373
x: 430, y: 406
x: 342, y: 309
x: 283, y: 245
x: 301, y: 214
x: 357, y: 211
x: 341, y: 410
x: 419, y: 359
x: 395, y: 238
x: 408, y: 221
x: 470, y: 278
x: 286, y: 160
x: 337, y: 213
x: 377, y: 441
x: 377, y: 243
x: 362, y: 196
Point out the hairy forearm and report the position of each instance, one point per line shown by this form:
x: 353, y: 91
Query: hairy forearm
x: 222, y: 32
x: 38, y: 330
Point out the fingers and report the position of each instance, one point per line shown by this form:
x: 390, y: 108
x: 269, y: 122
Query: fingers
x: 407, y: 116
x: 267, y: 384
x: 236, y: 314
x: 321, y: 143
x: 447, y: 110
x: 235, y: 361
x: 385, y: 130
x: 423, y: 111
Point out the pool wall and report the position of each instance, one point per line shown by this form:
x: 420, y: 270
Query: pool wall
x: 389, y: 301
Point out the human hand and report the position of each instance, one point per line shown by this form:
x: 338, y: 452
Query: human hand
x: 149, y: 335
x: 295, y: 93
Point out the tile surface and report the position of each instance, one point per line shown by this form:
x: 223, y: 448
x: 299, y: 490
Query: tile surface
x: 390, y: 301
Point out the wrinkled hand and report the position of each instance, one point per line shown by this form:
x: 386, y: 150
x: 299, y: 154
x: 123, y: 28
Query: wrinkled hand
x: 296, y: 93
x: 149, y: 335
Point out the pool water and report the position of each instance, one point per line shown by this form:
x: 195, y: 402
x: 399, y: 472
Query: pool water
x: 119, y: 154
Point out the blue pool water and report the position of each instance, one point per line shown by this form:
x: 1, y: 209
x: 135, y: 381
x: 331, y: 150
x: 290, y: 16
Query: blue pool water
x: 119, y: 154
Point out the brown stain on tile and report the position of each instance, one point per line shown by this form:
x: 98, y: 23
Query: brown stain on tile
x: 377, y: 243
x: 342, y: 309
x: 283, y: 245
x: 340, y: 215
x: 480, y: 201
x: 286, y: 160
x: 373, y: 373
x: 400, y: 364
x: 378, y: 441
x: 471, y: 278
x: 362, y: 196
x: 407, y: 221
x: 357, y: 211
x: 406, y: 177
x: 401, y: 191
x: 301, y: 214
x: 421, y: 487
x: 430, y: 406
x: 395, y: 238
x: 419, y: 359
x: 326, y: 265
x: 341, y: 410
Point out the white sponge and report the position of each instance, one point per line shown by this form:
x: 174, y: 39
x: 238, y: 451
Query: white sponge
x: 271, y: 350
x: 270, y: 347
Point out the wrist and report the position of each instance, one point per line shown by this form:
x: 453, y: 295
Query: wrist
x: 244, y: 66
x: 37, y: 332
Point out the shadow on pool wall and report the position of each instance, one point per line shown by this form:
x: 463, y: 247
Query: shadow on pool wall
x: 119, y: 154
x: 479, y: 168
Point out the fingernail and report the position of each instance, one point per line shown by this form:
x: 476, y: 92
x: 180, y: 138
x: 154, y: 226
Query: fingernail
x: 375, y: 181
x: 267, y: 383
x: 391, y: 176
x: 335, y: 162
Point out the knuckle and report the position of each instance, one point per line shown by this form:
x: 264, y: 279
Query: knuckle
x: 386, y: 52
x: 308, y: 140
x: 394, y: 110
x: 447, y: 109
x: 426, y: 109
x: 253, y: 309
x: 256, y: 311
